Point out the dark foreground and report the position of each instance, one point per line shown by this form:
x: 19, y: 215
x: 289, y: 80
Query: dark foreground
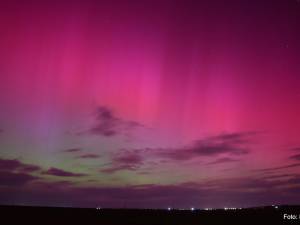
x: 71, y: 216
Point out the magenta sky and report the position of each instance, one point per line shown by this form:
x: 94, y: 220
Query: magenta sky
x: 150, y: 103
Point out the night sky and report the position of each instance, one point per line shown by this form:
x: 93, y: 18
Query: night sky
x: 150, y: 104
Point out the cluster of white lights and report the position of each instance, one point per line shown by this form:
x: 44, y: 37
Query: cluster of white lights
x: 192, y: 209
x: 98, y: 208
x: 230, y: 208
x: 208, y: 209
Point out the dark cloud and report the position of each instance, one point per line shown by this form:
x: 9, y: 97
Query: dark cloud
x: 88, y: 156
x: 236, y: 138
x: 277, y: 176
x: 125, y: 160
x: 15, y: 179
x: 225, y: 145
x: 223, y: 160
x: 278, y: 168
x: 295, y: 157
x: 128, y: 158
x: 107, y: 124
x: 1, y: 130
x: 16, y: 165
x: 116, y: 168
x: 70, y: 150
x: 295, y: 149
x: 31, y: 168
x: 232, y: 144
x: 62, y: 173
x: 82, y: 156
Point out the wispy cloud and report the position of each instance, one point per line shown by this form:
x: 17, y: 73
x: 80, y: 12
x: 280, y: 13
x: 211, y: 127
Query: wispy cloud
x: 124, y: 160
x: 295, y: 149
x: 278, y: 168
x: 16, y: 173
x: 229, y: 147
x: 223, y: 160
x: 230, y: 144
x: 235, y: 143
x: 108, y: 124
x: 71, y: 150
x: 78, y: 152
x: 62, y: 173
x: 295, y: 157
x: 88, y: 156
x: 16, y: 165
x: 116, y: 168
x: 277, y: 176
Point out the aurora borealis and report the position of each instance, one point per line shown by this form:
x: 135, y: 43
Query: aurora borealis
x: 150, y: 104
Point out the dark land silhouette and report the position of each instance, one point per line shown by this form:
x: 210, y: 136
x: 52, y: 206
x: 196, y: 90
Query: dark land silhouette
x: 90, y: 216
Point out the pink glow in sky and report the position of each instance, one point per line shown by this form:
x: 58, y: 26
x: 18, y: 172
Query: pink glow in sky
x: 150, y: 98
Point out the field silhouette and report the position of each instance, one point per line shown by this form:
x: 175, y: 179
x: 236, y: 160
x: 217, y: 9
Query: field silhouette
x: 91, y: 216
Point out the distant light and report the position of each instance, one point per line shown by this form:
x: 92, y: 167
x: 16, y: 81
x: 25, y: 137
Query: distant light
x: 169, y: 208
x: 192, y: 209
x: 230, y: 208
x: 208, y: 209
x: 276, y: 207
